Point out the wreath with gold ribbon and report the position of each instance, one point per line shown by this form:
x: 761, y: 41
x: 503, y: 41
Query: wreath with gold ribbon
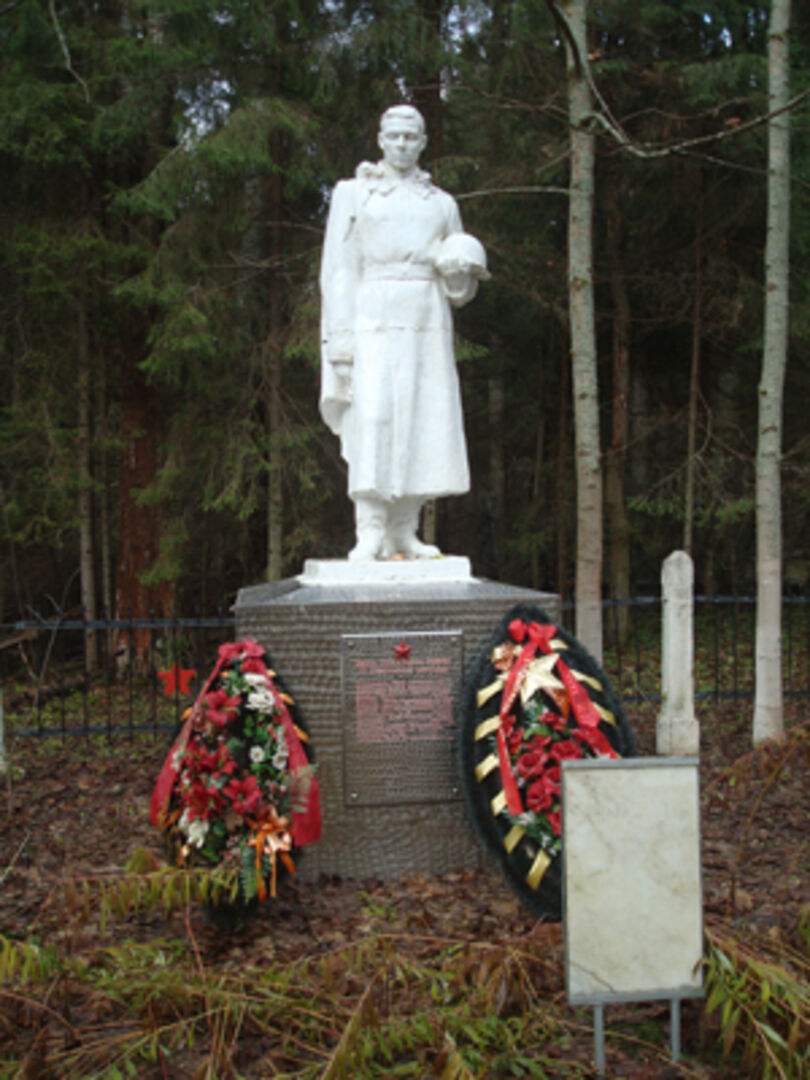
x: 237, y: 792
x: 535, y: 698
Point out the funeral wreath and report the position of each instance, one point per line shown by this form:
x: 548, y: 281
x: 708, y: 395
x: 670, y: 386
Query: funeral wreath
x: 237, y: 792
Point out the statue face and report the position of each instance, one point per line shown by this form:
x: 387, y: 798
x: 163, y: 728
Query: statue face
x: 401, y: 143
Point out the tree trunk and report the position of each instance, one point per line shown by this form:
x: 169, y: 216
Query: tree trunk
x: 768, y: 717
x: 87, y: 548
x: 583, y: 342
x: 694, y: 378
x: 103, y: 428
x: 139, y: 525
x: 615, y: 503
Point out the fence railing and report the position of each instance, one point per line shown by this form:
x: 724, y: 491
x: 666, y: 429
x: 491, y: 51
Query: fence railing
x: 724, y: 647
x: 50, y: 685
x: 73, y: 676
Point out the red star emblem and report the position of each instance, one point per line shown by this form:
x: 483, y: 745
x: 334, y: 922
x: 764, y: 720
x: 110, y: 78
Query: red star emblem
x: 176, y: 678
x: 402, y: 651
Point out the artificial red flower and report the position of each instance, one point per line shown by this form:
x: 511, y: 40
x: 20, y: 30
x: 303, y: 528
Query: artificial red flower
x: 515, y: 741
x: 221, y: 707
x: 203, y: 801
x: 246, y: 794
x: 517, y: 628
x: 514, y: 736
x: 538, y: 797
x: 539, y: 742
x: 553, y: 818
x: 541, y: 793
x: 200, y: 760
x: 553, y: 720
x: 532, y: 764
x: 565, y: 750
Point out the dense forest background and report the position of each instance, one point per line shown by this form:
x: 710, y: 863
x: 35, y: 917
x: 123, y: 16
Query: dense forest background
x: 165, y: 170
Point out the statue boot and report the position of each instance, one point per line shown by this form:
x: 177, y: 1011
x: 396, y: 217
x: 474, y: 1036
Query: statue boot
x: 369, y: 523
x: 402, y: 524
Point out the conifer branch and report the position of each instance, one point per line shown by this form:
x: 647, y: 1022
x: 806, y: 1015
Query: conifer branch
x: 66, y: 51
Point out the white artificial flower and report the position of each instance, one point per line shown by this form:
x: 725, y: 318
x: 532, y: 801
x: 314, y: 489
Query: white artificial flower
x: 281, y: 754
x: 183, y: 823
x: 257, y: 754
x: 261, y: 700
x: 197, y: 831
x: 254, y: 678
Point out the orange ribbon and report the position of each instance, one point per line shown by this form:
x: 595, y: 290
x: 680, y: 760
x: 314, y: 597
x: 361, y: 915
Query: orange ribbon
x: 271, y: 837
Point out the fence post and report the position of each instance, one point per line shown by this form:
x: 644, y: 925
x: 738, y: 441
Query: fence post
x: 677, y: 731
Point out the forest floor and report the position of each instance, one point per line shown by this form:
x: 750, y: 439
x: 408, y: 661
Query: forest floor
x: 424, y: 977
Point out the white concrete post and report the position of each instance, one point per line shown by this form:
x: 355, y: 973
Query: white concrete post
x: 678, y: 731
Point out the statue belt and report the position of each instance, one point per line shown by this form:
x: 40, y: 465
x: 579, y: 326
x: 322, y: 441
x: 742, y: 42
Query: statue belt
x: 400, y: 271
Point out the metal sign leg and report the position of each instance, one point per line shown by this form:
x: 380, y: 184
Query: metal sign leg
x: 599, y: 1038
x: 675, y: 1027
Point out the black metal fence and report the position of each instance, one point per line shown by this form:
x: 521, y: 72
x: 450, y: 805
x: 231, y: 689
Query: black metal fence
x: 73, y: 676
x: 121, y: 676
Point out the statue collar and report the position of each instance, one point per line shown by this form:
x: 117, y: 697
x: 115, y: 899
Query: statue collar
x: 377, y: 177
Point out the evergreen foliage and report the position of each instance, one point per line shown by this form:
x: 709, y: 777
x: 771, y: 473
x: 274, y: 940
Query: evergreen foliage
x: 166, y: 169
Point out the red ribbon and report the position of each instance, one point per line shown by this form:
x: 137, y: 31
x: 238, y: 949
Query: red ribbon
x: 161, y: 796
x: 586, y: 713
x: 306, y: 825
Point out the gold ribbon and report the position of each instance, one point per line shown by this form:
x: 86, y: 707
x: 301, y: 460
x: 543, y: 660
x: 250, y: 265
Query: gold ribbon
x: 538, y: 869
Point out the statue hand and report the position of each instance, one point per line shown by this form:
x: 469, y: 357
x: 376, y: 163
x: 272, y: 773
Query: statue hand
x: 343, y: 379
x: 459, y: 287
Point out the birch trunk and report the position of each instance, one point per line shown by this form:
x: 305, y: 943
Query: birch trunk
x: 583, y: 342
x: 768, y: 718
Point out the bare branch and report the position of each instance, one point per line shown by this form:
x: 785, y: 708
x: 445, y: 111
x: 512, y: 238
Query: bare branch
x: 65, y: 51
x: 647, y: 150
x: 514, y: 191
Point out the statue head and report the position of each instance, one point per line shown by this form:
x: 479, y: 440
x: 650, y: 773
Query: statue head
x: 402, y: 137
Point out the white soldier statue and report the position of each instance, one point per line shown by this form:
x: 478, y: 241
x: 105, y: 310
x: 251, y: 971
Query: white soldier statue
x: 395, y: 258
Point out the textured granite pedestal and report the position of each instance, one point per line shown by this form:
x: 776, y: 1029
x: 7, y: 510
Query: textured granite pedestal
x: 377, y: 670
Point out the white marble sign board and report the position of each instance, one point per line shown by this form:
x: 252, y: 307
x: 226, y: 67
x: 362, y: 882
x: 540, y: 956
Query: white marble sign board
x: 632, y: 895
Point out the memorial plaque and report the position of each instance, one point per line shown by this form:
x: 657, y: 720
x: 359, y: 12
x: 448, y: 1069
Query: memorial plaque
x: 399, y: 703
x: 632, y: 881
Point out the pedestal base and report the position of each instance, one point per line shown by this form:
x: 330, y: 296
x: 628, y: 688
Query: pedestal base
x: 377, y: 669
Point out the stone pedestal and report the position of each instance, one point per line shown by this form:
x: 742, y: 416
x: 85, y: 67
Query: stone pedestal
x: 377, y: 669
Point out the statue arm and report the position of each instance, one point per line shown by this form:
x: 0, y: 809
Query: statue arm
x: 459, y: 285
x: 340, y: 273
